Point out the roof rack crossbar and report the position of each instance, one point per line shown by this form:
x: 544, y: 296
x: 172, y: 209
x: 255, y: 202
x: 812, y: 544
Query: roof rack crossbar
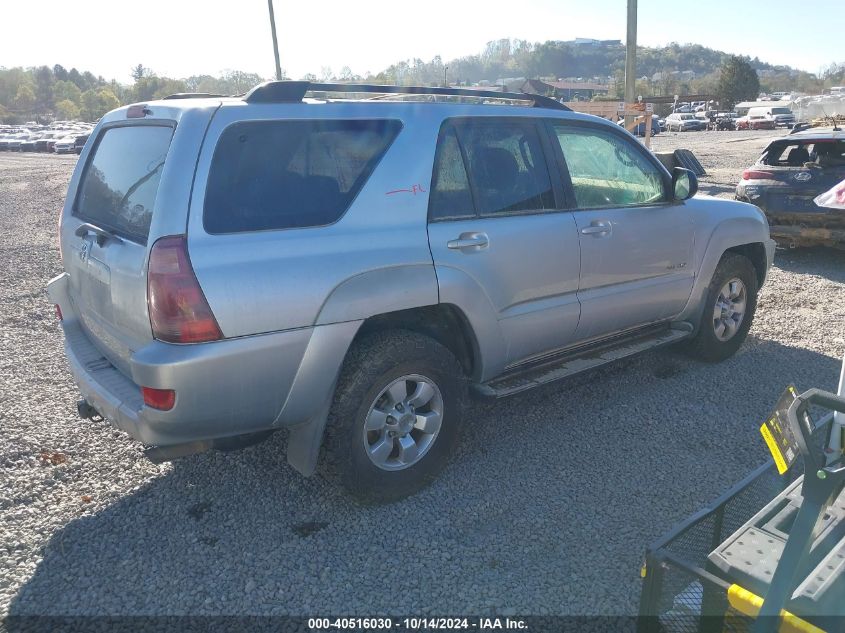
x: 293, y: 91
x: 191, y: 95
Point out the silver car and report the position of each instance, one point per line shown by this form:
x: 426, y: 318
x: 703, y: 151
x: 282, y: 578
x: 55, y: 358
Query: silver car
x: 349, y: 269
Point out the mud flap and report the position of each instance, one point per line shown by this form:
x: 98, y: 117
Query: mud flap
x: 305, y: 440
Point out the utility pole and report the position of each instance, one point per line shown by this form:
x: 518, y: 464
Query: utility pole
x: 631, y: 59
x: 275, y: 41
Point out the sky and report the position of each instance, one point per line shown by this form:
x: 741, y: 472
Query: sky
x: 179, y: 38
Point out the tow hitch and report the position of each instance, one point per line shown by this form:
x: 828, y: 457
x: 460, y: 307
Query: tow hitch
x: 86, y: 411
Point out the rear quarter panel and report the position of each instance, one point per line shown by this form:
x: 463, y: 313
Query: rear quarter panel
x: 374, y: 259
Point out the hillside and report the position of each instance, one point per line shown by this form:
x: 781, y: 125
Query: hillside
x: 506, y: 58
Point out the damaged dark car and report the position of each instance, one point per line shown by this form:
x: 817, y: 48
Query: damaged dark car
x: 786, y: 178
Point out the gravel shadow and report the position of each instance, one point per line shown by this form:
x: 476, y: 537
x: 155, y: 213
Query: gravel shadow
x: 547, y: 507
x: 823, y: 262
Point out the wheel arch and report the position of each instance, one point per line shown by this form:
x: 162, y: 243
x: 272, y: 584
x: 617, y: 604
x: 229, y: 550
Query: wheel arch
x: 756, y: 253
x: 444, y: 322
x: 745, y: 235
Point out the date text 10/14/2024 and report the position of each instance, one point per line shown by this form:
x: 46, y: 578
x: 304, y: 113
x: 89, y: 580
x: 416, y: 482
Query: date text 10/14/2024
x: 418, y: 624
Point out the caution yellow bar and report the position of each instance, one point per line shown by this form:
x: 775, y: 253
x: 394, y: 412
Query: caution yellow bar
x: 749, y: 604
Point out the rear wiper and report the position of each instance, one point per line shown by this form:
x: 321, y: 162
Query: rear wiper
x: 103, y: 235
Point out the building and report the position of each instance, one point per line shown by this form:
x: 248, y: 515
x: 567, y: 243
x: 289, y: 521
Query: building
x: 566, y: 90
x: 587, y: 41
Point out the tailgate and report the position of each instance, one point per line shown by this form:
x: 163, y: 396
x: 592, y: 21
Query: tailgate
x: 798, y: 186
x: 119, y: 202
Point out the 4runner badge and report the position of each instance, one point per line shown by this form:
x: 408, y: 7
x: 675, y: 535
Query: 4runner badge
x: 83, y: 252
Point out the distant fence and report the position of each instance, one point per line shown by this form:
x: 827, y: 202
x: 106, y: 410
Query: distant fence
x: 605, y: 109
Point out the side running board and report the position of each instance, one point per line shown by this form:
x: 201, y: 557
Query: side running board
x: 543, y: 372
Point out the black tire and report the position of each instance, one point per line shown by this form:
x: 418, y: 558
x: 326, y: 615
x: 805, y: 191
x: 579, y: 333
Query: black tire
x: 706, y: 345
x: 373, y: 362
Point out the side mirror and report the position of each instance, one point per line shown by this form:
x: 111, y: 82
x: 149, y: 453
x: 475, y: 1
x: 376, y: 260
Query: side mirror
x: 684, y: 183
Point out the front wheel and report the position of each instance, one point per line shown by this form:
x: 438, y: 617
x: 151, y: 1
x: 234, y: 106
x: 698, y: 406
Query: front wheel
x: 396, y: 415
x: 728, y: 309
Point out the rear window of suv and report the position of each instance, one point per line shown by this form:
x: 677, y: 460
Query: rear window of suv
x: 120, y: 182
x: 270, y: 175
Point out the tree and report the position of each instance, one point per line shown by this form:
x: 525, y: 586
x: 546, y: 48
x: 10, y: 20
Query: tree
x: 95, y: 103
x: 139, y: 72
x: 106, y: 100
x: 738, y: 81
x: 25, y: 98
x: 169, y: 87
x: 44, y: 81
x: 59, y: 72
x: 67, y: 91
x: 74, y: 76
x: 67, y: 110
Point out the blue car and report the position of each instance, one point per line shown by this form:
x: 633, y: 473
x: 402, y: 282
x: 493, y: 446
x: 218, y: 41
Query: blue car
x: 640, y: 129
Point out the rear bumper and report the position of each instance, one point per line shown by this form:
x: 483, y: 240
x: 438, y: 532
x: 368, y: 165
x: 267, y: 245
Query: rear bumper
x: 223, y: 389
x: 799, y: 235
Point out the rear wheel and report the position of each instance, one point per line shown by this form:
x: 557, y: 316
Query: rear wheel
x: 396, y: 415
x: 728, y: 310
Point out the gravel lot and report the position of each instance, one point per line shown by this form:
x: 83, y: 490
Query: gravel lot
x: 547, y: 508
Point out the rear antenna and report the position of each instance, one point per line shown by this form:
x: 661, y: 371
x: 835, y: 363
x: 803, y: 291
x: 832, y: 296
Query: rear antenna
x: 275, y: 41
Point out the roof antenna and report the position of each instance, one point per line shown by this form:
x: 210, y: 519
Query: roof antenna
x: 275, y: 41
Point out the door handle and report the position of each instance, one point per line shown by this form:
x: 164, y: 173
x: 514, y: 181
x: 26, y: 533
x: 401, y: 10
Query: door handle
x: 103, y: 235
x: 598, y: 229
x: 469, y: 242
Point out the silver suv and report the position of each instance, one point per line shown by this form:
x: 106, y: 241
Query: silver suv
x: 349, y: 266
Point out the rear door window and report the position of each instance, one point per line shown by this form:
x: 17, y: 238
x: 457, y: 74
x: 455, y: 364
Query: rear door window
x: 268, y: 175
x: 506, y: 165
x: 450, y: 197
x: 120, y: 183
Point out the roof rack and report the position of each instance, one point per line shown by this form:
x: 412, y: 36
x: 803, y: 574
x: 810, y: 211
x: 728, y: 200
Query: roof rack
x: 191, y: 95
x: 294, y: 91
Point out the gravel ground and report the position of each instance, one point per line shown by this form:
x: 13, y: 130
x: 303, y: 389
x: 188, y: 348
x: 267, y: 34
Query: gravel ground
x: 547, y: 508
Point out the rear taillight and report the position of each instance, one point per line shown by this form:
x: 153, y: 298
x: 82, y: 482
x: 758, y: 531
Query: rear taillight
x: 59, y: 313
x: 179, y: 312
x: 756, y: 174
x: 161, y: 399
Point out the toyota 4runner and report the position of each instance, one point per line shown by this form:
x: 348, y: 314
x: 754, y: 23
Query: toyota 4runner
x: 348, y: 265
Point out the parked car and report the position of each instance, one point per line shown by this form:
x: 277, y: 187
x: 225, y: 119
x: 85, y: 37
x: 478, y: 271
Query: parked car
x: 13, y: 144
x: 79, y: 142
x: 790, y: 173
x: 65, y: 145
x: 725, y: 121
x: 755, y: 122
x: 780, y: 115
x: 28, y: 145
x: 640, y: 128
x: 348, y: 270
x: 684, y: 122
